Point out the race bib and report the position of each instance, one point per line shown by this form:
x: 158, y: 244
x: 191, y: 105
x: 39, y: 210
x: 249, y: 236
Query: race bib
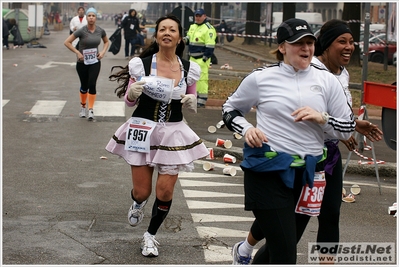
x: 90, y: 56
x: 309, y: 202
x: 138, y: 134
x: 158, y: 88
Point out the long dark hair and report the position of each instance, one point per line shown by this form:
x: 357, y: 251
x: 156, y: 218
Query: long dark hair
x: 122, y: 77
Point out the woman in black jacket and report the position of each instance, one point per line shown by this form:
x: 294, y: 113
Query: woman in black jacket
x: 131, y: 27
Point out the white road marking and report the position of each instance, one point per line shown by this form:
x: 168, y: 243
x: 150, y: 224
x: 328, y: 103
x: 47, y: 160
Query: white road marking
x: 196, y: 193
x: 188, y: 183
x: 195, y: 204
x: 47, y: 107
x: 109, y: 108
x: 207, y: 232
x: 210, y: 174
x: 202, y: 218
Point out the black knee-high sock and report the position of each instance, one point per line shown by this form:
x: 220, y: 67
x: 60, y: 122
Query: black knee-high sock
x: 159, y: 212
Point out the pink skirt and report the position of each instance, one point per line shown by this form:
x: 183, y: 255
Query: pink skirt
x: 172, y: 143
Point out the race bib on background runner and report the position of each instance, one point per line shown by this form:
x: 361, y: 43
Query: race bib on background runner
x: 309, y: 202
x: 90, y: 56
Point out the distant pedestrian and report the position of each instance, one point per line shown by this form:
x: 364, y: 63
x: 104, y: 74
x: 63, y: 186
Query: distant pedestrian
x: 76, y: 23
x: 57, y: 17
x: 131, y: 29
x: 222, y: 29
x: 14, y: 30
x: 88, y: 59
x: 6, y: 34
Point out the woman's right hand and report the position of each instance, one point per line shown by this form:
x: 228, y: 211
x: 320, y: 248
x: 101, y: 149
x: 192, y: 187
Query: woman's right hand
x: 80, y: 56
x: 135, y: 90
x: 255, y: 137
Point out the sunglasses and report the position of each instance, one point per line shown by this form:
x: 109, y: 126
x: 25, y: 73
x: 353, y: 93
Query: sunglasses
x: 198, y: 15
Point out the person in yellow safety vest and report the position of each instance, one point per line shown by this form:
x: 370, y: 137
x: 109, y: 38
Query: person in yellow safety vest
x: 201, y: 40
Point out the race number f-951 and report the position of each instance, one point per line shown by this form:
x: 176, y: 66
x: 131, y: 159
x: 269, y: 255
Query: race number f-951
x: 138, y: 134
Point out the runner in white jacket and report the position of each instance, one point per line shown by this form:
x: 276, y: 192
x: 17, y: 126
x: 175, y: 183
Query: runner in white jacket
x: 296, y: 103
x: 77, y: 22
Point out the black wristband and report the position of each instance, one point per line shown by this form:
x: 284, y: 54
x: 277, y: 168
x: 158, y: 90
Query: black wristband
x: 228, y: 118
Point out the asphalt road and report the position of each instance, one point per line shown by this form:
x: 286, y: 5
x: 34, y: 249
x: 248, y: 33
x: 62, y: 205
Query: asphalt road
x: 65, y: 199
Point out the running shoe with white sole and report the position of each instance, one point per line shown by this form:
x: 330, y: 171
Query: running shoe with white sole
x: 91, y: 115
x: 149, y: 246
x: 237, y: 259
x: 136, y: 213
x: 82, y: 113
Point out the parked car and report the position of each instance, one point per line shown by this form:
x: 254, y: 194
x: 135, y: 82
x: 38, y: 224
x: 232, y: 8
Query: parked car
x: 377, y: 52
x: 236, y: 26
x: 377, y: 49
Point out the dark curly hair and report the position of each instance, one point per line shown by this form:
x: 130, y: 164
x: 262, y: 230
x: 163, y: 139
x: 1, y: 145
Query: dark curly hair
x: 123, y: 76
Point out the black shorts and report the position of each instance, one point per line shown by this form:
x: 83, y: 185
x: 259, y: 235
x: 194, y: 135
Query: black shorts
x: 266, y: 190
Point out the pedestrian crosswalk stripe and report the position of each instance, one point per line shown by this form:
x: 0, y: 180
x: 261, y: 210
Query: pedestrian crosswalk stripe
x: 109, y: 109
x: 208, y: 232
x: 197, y: 193
x: 203, y: 218
x: 189, y: 183
x: 55, y: 107
x: 200, y: 175
x: 220, y: 254
x: 196, y: 204
x: 217, y: 254
x: 47, y: 107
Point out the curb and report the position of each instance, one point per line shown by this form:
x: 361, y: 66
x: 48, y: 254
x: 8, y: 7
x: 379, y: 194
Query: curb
x: 384, y: 170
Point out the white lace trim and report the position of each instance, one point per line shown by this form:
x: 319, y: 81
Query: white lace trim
x: 173, y: 169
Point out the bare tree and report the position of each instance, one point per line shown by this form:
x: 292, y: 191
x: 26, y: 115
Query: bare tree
x: 253, y: 22
x: 288, y: 11
x: 351, y: 14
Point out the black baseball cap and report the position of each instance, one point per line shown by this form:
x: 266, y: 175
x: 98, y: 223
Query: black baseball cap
x: 292, y: 30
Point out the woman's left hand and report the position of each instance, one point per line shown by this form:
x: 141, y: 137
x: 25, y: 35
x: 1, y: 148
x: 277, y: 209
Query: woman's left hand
x: 308, y: 114
x: 371, y: 131
x: 255, y: 137
x: 100, y: 55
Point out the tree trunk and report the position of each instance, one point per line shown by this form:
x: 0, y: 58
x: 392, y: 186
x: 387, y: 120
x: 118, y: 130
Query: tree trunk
x: 252, y: 25
x: 351, y: 13
x: 217, y: 12
x: 288, y: 11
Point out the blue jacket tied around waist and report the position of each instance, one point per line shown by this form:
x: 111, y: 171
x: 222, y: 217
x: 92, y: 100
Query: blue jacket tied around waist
x: 255, y: 160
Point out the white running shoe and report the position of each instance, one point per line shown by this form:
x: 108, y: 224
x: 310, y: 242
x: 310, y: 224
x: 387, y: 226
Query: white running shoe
x: 149, y: 245
x: 237, y: 259
x: 136, y: 213
x: 82, y: 113
x: 91, y: 115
